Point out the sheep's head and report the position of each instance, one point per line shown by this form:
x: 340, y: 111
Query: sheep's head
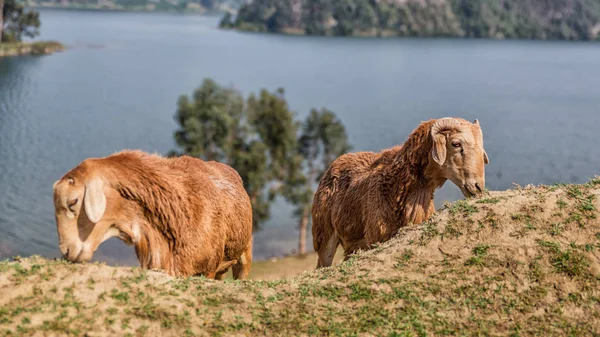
x: 80, y: 205
x: 458, y: 150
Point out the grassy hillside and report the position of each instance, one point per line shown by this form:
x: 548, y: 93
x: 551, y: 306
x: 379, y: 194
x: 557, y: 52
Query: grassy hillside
x: 516, y: 263
x: 510, y: 19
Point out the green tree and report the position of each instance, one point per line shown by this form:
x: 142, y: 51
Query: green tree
x: 316, y: 15
x: 270, y: 119
x: 226, y: 21
x: 212, y: 127
x: 543, y: 19
x: 366, y: 16
x: 274, y: 122
x: 323, y: 138
x: 17, y: 22
x: 210, y: 122
x: 281, y: 17
x: 258, y: 138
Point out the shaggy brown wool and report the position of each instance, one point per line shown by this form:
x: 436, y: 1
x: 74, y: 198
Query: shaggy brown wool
x: 365, y: 197
x: 183, y: 215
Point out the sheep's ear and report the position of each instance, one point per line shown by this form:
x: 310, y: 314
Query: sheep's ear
x: 94, y: 199
x: 439, y: 149
x: 476, y: 122
x: 486, y: 160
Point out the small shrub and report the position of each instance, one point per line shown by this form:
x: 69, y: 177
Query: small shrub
x: 462, y: 207
x: 479, y: 253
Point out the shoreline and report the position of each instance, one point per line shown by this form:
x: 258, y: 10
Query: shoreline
x: 291, y: 32
x: 91, y: 8
x: 30, y: 48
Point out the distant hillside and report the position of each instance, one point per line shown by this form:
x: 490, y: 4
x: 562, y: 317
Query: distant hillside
x: 498, y: 19
x: 198, y: 6
x: 524, y: 262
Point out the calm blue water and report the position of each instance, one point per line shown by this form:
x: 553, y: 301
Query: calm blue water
x: 117, y: 87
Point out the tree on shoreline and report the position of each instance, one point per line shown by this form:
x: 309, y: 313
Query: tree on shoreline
x: 226, y: 21
x: 259, y: 137
x: 496, y: 19
x: 17, y: 21
x: 323, y: 138
x: 256, y: 137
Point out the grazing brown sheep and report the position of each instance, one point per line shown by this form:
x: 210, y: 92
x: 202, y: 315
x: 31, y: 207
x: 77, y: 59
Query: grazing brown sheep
x: 183, y: 215
x: 364, y: 198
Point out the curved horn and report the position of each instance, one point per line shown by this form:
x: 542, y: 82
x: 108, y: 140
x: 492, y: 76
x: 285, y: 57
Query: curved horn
x: 94, y: 199
x: 439, y: 140
x: 443, y: 124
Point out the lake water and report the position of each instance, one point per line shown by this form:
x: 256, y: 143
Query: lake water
x: 117, y: 87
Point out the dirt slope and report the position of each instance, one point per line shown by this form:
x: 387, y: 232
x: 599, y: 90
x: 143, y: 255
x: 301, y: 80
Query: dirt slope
x: 520, y: 262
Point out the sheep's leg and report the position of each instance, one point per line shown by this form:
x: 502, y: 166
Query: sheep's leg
x: 242, y: 268
x: 348, y: 254
x: 221, y: 276
x: 354, y: 247
x: 224, y: 268
x: 327, y: 251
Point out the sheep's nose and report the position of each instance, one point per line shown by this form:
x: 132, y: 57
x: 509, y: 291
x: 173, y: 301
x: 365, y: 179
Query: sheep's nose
x: 474, y: 187
x: 64, y: 249
x: 65, y: 253
x: 479, y: 189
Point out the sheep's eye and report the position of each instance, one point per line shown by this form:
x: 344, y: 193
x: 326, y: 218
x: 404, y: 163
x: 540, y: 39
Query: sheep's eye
x: 72, y: 203
x: 456, y: 144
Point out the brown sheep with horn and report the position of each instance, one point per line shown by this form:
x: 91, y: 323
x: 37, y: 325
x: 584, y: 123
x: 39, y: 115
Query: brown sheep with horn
x: 184, y: 215
x: 364, y: 198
